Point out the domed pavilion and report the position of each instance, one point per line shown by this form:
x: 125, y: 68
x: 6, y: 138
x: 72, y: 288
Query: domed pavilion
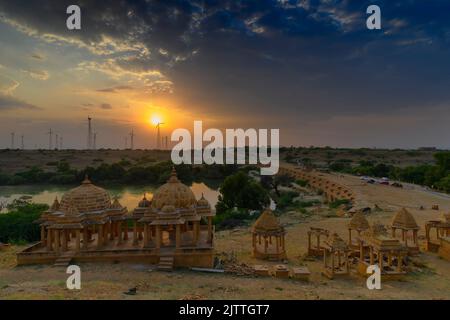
x: 405, y: 221
x: 267, y: 228
x: 175, y: 225
x: 87, y: 225
x: 359, y: 224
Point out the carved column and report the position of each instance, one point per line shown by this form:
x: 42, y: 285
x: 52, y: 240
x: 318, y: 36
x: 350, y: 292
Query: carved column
x: 158, y: 236
x: 135, y: 240
x: 210, y: 234
x: 49, y: 239
x: 77, y: 240
x: 119, y: 232
x: 43, y: 235
x: 85, y: 238
x: 177, y: 236
x: 57, y: 240
x: 125, y: 235
x: 145, y: 235
x: 64, y: 240
x: 100, y: 236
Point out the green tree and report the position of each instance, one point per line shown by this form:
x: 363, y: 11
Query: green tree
x: 241, y: 192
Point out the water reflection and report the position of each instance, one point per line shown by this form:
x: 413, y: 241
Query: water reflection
x: 129, y: 196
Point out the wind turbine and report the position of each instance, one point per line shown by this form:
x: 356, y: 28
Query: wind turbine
x: 158, y: 136
x: 50, y: 138
x: 132, y: 139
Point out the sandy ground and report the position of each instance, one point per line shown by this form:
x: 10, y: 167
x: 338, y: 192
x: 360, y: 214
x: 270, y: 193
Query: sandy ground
x: 429, y: 280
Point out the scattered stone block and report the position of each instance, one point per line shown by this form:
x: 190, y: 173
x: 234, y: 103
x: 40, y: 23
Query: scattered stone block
x: 300, y: 273
x: 261, y: 270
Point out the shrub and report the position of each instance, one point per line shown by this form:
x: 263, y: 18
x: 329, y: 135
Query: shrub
x: 17, y: 225
x: 335, y: 204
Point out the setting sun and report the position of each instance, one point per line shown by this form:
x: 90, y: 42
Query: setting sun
x: 155, y: 119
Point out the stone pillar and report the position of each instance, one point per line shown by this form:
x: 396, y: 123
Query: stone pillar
x: 332, y: 263
x: 265, y: 244
x: 349, y: 237
x: 309, y: 242
x: 111, y: 230
x: 119, y: 232
x: 125, y: 235
x: 277, y: 244
x: 399, y: 263
x: 177, y: 236
x: 43, y: 235
x: 57, y: 240
x: 347, y: 264
x: 158, y: 236
x: 210, y: 229
x: 100, y: 236
x: 380, y: 260
x: 135, y: 240
x: 49, y: 239
x: 361, y: 251
x: 371, y: 255
x: 195, y: 232
x: 145, y: 235
x: 77, y: 240
x: 64, y: 240
x: 85, y: 238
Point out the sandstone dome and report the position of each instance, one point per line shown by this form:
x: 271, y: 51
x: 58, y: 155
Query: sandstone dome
x: 85, y: 198
x: 173, y: 193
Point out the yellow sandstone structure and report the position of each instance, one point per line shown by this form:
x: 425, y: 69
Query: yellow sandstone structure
x: 172, y: 229
x: 405, y: 221
x: 359, y: 224
x: 268, y: 237
x: 386, y: 252
x: 442, y: 230
x: 336, y: 257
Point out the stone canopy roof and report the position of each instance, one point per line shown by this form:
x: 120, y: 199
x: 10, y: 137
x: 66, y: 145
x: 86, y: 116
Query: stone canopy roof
x: 173, y: 193
x: 267, y: 223
x: 85, y: 198
x: 359, y: 222
x: 403, y: 219
x: 335, y: 243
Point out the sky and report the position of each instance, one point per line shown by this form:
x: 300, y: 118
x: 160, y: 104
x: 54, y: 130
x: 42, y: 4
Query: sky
x: 307, y: 67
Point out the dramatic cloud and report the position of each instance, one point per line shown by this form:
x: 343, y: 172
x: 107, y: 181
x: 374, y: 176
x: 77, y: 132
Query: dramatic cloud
x: 38, y: 74
x: 7, y: 85
x: 115, y: 89
x: 10, y: 102
x: 278, y: 63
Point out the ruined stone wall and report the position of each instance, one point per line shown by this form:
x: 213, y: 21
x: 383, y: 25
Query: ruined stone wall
x: 331, y: 190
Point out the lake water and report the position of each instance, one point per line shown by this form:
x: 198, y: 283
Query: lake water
x: 128, y: 196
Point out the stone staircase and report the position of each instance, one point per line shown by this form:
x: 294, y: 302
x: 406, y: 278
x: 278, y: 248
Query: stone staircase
x: 165, y: 263
x: 63, y: 260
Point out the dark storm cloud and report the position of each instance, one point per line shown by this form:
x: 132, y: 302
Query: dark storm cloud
x: 8, y: 102
x: 305, y: 58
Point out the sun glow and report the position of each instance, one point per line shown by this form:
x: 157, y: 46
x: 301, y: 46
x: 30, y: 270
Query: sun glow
x: 155, y: 119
